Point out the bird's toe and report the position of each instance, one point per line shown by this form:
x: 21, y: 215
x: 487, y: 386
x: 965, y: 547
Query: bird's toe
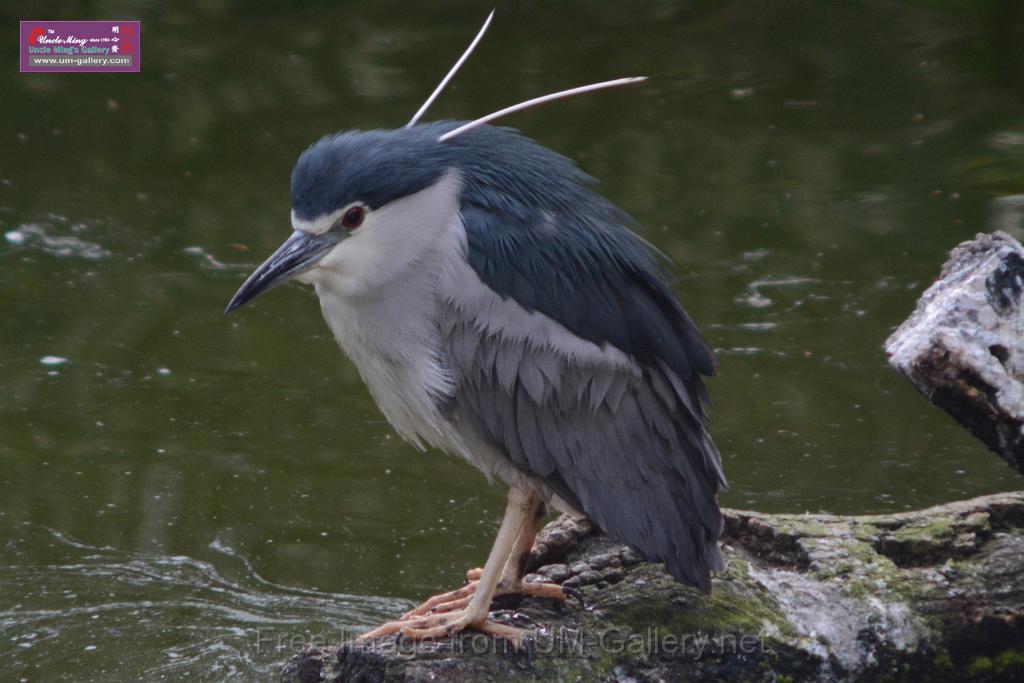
x: 541, y: 589
x: 431, y: 604
x: 442, y: 625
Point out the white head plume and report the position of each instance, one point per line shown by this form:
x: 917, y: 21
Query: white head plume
x: 458, y: 65
x: 537, y: 101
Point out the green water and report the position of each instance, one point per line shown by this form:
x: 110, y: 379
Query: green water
x: 184, y: 496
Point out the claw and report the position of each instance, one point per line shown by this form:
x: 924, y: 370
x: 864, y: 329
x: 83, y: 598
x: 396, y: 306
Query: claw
x: 575, y: 595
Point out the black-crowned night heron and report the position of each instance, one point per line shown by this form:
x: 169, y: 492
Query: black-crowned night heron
x: 498, y: 309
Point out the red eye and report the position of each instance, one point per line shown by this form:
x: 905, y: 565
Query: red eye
x: 353, y: 218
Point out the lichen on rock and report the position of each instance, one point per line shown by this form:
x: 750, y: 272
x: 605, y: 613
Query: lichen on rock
x: 963, y: 347
x: 936, y: 594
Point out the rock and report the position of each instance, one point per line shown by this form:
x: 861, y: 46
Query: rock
x: 305, y: 667
x: 963, y: 348
x: 931, y: 595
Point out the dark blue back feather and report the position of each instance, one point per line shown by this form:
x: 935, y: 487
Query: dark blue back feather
x: 539, y: 235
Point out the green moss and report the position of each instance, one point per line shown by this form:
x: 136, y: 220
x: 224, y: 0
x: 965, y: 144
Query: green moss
x: 1010, y: 661
x: 599, y: 667
x: 943, y: 663
x: 936, y: 529
x: 1007, y: 665
x: 980, y: 667
x: 726, y: 610
x: 868, y: 533
x: 837, y: 569
x: 858, y: 569
x: 805, y: 529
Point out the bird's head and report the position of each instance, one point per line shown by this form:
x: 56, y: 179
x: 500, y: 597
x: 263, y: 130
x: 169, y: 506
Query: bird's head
x: 365, y: 206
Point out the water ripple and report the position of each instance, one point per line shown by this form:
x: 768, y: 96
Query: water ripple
x: 140, y: 616
x: 41, y: 237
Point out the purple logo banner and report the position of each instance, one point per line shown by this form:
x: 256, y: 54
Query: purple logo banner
x: 80, y: 46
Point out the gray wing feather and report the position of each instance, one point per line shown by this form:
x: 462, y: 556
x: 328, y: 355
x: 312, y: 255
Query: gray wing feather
x: 625, y: 445
x: 532, y: 379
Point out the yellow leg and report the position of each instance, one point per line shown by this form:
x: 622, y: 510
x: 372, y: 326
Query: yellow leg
x: 515, y: 566
x: 511, y: 581
x: 474, y: 614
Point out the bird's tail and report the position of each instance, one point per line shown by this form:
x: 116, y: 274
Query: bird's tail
x: 663, y: 523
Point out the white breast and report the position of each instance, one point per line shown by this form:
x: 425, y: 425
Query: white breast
x: 391, y: 337
x: 379, y: 292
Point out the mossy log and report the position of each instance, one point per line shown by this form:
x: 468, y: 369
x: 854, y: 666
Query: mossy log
x: 936, y: 594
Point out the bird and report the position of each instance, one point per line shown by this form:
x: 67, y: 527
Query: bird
x: 498, y: 308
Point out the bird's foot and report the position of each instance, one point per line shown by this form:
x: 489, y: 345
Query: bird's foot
x: 459, y: 598
x: 447, y: 623
x: 455, y: 599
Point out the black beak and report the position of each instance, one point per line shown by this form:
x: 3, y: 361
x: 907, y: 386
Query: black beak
x: 299, y: 253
